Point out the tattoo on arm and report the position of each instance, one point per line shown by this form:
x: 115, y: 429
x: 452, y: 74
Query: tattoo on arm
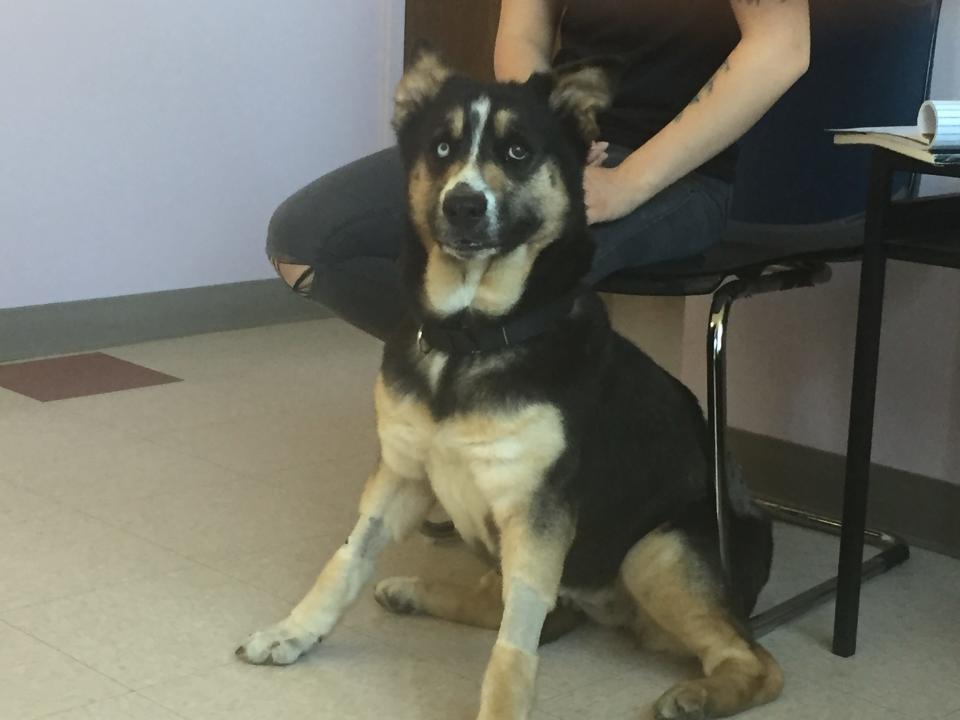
x: 708, y: 87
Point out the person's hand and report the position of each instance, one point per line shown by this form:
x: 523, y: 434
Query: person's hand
x: 597, y: 153
x: 607, y: 195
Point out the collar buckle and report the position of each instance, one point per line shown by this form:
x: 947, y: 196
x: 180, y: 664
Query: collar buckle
x: 422, y: 343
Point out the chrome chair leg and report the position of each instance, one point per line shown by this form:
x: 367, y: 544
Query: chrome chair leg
x: 717, y: 421
x: 894, y: 551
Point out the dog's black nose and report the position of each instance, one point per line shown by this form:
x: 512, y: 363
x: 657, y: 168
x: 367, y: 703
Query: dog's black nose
x: 464, y: 207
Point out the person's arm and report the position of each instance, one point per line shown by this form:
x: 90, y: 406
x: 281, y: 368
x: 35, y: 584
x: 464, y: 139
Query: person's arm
x: 525, y: 37
x: 773, y: 53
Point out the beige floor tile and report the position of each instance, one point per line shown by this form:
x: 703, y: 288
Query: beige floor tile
x: 253, y: 466
x: 619, y: 696
x: 917, y: 678
x: 126, y: 707
x: 348, y: 678
x: 315, y: 370
x: 270, y: 442
x: 216, y: 518
x: 140, y: 633
x: 109, y: 481
x: 11, y: 401
x: 270, y: 351
x: 802, y: 558
x: 286, y: 572
x: 44, y: 435
x: 592, y: 655
x: 338, y: 484
x: 804, y: 700
x: 921, y: 597
x: 907, y: 656
x: 36, y: 680
x: 154, y: 410
x: 19, y: 505
x: 65, y: 553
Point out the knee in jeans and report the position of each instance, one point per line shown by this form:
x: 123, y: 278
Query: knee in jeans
x: 298, y: 277
x: 282, y: 229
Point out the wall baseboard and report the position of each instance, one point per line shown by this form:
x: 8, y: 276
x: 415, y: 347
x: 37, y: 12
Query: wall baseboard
x: 922, y: 510
x: 60, y: 328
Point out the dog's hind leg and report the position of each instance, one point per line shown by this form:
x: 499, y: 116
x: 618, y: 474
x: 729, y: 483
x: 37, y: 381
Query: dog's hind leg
x: 481, y: 606
x: 391, y: 507
x: 673, y: 590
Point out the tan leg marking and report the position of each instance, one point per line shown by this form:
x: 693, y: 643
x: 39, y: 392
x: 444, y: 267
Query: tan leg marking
x: 395, y: 501
x: 662, y: 574
x: 532, y: 562
x: 508, y: 684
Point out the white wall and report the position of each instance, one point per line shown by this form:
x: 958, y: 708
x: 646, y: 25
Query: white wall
x: 144, y: 144
x: 791, y: 355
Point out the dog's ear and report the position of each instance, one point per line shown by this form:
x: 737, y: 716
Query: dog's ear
x: 581, y: 90
x: 420, y: 83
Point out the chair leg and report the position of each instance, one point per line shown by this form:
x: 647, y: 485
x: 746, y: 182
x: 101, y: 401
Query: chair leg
x: 717, y: 422
x: 894, y: 550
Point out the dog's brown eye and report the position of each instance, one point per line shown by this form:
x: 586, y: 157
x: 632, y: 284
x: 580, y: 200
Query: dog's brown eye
x: 517, y: 152
x: 443, y: 148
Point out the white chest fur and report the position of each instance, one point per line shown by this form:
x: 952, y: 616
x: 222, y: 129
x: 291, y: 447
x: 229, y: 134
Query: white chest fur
x: 483, y: 466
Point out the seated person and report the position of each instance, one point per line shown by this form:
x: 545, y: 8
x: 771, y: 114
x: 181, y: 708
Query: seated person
x: 698, y: 75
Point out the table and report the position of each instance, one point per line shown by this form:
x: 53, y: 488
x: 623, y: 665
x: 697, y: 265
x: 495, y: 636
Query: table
x: 920, y: 230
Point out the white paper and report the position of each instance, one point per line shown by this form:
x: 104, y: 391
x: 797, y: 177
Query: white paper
x: 937, y: 128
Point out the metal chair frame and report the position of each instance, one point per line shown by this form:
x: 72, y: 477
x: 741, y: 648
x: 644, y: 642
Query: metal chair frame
x: 894, y: 551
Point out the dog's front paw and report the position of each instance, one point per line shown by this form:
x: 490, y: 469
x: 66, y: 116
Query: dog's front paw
x: 686, y: 701
x: 279, y: 644
x: 400, y: 595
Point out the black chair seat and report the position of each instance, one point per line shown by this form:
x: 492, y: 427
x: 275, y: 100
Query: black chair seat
x: 747, y: 250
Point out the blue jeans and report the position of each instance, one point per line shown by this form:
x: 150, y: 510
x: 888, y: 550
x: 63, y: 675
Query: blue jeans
x: 348, y: 227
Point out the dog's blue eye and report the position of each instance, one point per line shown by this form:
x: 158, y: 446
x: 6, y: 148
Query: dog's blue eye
x: 517, y: 152
x: 443, y: 149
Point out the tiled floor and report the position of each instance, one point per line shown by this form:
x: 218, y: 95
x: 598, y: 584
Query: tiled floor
x: 144, y: 533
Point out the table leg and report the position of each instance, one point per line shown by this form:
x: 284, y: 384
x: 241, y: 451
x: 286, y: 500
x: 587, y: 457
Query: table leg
x: 860, y: 437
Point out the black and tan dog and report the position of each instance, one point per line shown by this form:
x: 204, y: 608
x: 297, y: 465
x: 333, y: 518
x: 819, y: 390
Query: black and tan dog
x: 557, y: 447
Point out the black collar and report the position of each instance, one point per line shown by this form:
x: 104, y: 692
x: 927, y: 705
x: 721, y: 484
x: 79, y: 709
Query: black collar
x: 492, y: 336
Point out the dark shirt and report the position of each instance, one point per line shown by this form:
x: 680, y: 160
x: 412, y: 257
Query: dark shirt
x: 671, y: 48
